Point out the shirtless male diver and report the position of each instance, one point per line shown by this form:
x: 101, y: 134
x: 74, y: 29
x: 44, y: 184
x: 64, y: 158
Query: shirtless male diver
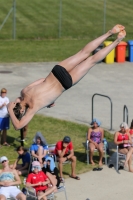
x: 43, y: 92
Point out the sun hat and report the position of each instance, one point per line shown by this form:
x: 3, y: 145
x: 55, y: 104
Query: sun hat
x: 66, y: 139
x: 35, y: 163
x: 3, y: 158
x: 95, y: 120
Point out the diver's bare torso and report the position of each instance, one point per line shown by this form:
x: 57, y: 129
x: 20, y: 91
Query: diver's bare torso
x: 42, y: 94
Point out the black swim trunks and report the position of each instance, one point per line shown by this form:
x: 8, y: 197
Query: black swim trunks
x: 63, y: 76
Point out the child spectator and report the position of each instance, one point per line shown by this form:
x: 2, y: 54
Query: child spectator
x: 39, y: 148
x: 25, y: 156
x: 50, y: 167
x: 38, y: 180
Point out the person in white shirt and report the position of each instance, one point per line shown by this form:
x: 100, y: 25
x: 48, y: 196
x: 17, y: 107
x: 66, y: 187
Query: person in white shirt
x: 4, y: 117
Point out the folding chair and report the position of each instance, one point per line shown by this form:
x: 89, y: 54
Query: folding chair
x: 119, y: 158
x: 31, y: 193
x: 86, y: 146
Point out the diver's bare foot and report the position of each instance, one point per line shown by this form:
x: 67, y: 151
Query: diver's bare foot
x: 121, y: 35
x: 92, y: 162
x: 117, y: 28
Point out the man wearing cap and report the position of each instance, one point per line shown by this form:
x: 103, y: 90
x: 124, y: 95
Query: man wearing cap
x: 4, y: 116
x: 64, y: 152
x: 9, y: 179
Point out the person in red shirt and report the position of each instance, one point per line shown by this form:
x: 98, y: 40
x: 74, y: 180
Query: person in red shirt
x: 38, y: 180
x: 64, y: 152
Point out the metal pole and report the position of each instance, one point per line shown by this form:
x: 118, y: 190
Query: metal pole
x: 125, y: 114
x: 104, y: 20
x: 60, y: 18
x: 111, y: 117
x: 14, y: 20
x: 1, y: 26
x: 92, y: 107
x: 22, y: 137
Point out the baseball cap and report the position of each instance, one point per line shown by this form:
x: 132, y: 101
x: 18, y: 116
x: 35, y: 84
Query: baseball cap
x: 3, y: 158
x: 67, y: 139
x: 3, y: 90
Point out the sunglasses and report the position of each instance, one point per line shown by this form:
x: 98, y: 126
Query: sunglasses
x: 4, y: 161
x: 36, y: 167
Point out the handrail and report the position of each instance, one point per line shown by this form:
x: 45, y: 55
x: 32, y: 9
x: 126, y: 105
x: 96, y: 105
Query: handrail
x: 111, y: 111
x: 125, y: 114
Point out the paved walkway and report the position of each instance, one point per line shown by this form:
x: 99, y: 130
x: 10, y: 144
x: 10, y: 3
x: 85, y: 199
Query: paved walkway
x: 114, y: 80
x: 100, y: 185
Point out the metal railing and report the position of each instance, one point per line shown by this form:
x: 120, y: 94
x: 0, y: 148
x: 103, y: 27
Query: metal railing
x: 125, y: 114
x: 12, y: 10
x: 111, y: 107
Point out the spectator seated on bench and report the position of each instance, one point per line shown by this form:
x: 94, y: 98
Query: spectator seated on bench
x: 25, y: 156
x: 122, y: 138
x: 39, y: 147
x: 49, y: 166
x: 40, y: 181
x: 9, y: 180
x: 95, y: 137
x: 64, y: 152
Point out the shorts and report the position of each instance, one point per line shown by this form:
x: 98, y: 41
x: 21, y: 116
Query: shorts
x: 10, y: 191
x: 42, y: 190
x: 63, y: 156
x: 120, y: 147
x: 62, y: 76
x: 4, y: 123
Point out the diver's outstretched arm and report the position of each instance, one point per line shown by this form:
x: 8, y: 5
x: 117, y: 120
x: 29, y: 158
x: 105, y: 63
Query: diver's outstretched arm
x: 25, y: 119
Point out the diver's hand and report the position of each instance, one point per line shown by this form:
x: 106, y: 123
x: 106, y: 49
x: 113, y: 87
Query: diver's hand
x: 11, y: 105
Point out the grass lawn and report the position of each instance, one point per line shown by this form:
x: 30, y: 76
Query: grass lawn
x: 54, y: 130
x: 37, y: 27
x: 79, y: 19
